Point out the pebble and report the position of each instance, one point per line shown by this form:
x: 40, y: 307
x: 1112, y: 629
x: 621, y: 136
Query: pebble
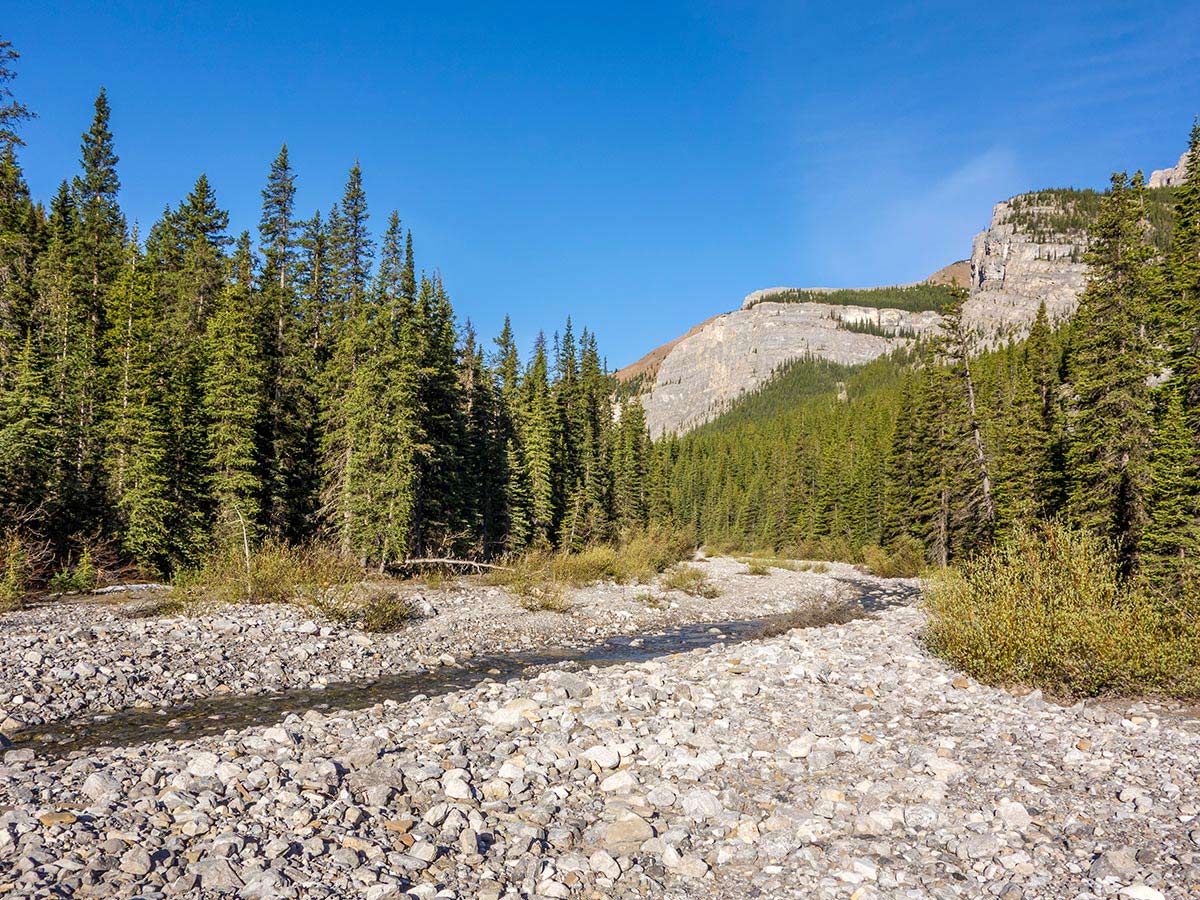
x: 721, y: 772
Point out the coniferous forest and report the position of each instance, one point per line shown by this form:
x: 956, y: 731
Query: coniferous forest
x: 167, y: 392
x: 1094, y: 422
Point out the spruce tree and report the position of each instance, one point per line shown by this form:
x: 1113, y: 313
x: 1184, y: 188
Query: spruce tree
x: 1110, y: 362
x: 12, y: 111
x: 1170, y: 547
x: 137, y: 461
x: 233, y: 402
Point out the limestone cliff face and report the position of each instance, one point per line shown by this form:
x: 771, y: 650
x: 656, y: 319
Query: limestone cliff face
x: 1170, y: 177
x: 738, y: 351
x: 1012, y: 273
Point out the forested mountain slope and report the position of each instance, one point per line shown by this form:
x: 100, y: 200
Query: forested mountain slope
x: 1031, y: 254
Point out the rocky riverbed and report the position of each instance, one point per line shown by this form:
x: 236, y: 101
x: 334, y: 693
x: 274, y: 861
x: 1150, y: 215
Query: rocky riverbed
x: 80, y: 656
x: 831, y: 762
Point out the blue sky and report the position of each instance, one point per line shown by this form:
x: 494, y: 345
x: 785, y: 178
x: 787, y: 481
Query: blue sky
x: 640, y: 166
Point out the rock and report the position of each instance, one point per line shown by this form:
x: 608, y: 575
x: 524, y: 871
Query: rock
x: 1014, y: 815
x: 621, y: 782
x: 692, y: 867
x: 626, y: 835
x: 136, y: 861
x: 602, y: 863
x: 99, y: 786
x: 605, y: 757
x: 50, y: 819
x: 700, y: 805
x: 217, y: 875
x: 203, y: 764
x: 1141, y: 892
x: 1118, y: 863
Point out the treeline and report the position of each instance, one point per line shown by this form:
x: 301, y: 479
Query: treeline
x: 1096, y: 422
x: 168, y: 393
x: 912, y: 298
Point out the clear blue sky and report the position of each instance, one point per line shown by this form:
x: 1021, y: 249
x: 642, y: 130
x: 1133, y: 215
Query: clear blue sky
x: 638, y: 165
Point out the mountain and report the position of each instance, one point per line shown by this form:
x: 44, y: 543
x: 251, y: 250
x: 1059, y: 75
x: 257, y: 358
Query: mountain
x: 1031, y: 253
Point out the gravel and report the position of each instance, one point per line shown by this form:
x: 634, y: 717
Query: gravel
x: 832, y: 762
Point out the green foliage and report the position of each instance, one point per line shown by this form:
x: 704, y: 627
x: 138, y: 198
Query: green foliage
x: 911, y: 298
x: 16, y: 569
x: 1046, y: 214
x: 78, y: 578
x: 274, y: 573
x: 1047, y: 606
x: 690, y: 580
x: 905, y: 558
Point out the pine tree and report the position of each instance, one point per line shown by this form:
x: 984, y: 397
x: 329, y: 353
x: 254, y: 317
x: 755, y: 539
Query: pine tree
x: 441, y: 506
x: 1182, y: 287
x: 137, y: 464
x: 21, y: 230
x: 233, y: 401
x: 537, y: 444
x: 1110, y: 362
x: 1170, y: 548
x: 12, y: 111
x: 632, y: 466
x: 287, y: 442
x: 345, y: 407
x: 26, y: 437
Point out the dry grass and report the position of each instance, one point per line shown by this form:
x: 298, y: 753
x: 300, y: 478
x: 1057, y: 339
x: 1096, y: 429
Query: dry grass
x: 691, y: 580
x: 903, y: 559
x: 1047, y: 608
x: 275, y: 573
x: 310, y: 576
x: 540, y: 579
x: 754, y: 567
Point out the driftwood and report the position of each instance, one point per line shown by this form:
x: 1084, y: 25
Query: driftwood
x: 118, y: 588
x: 449, y: 562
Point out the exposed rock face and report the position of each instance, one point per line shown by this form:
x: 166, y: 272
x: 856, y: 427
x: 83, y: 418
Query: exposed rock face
x: 738, y: 351
x: 1169, y: 177
x: 1011, y: 274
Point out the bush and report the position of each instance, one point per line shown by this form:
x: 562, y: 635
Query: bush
x: 754, y: 567
x: 16, y: 570
x: 80, y: 578
x: 1047, y: 608
x: 691, y: 581
x: 277, y: 573
x: 384, y: 609
x: 539, y: 579
x: 904, y: 558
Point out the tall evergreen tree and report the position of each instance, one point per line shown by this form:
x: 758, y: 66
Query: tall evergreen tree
x: 233, y: 402
x: 1110, y: 363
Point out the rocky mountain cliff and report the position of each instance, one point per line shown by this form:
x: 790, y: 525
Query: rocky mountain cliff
x: 740, y: 350
x: 1031, y: 253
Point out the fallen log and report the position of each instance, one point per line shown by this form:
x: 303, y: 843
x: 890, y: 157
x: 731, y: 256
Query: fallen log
x: 443, y: 561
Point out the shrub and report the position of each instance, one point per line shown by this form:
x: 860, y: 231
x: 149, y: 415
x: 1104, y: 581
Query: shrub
x: 276, y: 573
x: 384, y: 609
x: 904, y: 558
x: 819, y: 568
x: 1046, y: 607
x: 691, y: 581
x: 754, y: 567
x: 80, y: 578
x: 16, y: 570
x: 539, y: 578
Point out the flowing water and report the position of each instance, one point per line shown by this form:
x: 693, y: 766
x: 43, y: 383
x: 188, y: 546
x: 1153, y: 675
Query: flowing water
x: 221, y: 713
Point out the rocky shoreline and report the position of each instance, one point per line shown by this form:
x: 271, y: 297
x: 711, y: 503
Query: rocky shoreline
x: 833, y: 762
x: 92, y: 655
